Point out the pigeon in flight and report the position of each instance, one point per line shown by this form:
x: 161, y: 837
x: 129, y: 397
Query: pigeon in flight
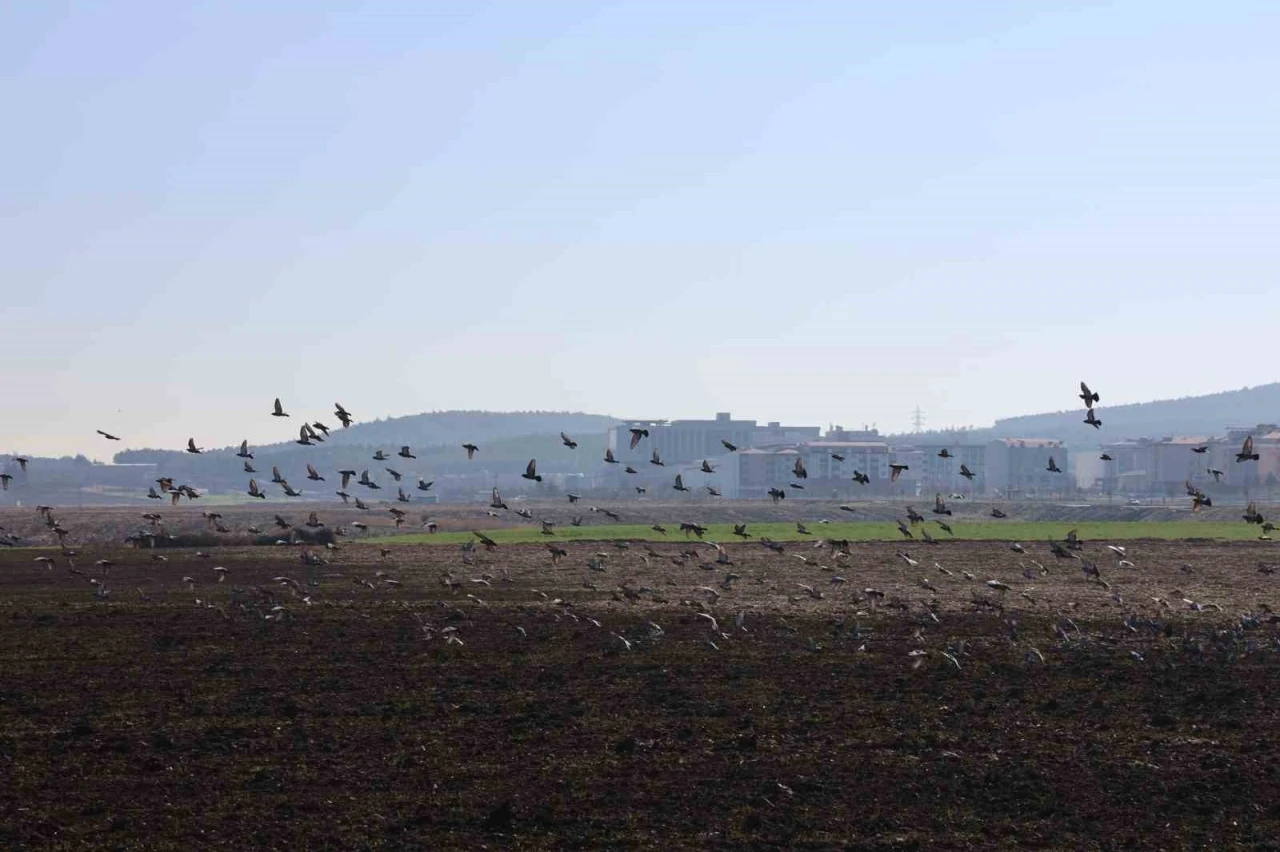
x: 424, y: 485
x: 944, y: 453
x: 346, y: 477
x: 706, y: 467
x: 733, y: 448
x: 608, y: 457
x: 313, y: 474
x: 798, y: 470
x: 405, y: 453
x: 1088, y: 396
x: 275, y: 475
x: 244, y: 450
x: 939, y: 507
x: 1091, y: 418
x: 471, y: 450
x: 895, y: 470
x: 656, y: 459
x: 1246, y: 452
x: 1217, y: 474
x: 342, y: 414
x: 531, y: 472
x: 861, y: 478
x: 379, y: 456
x: 636, y: 435
x: 278, y: 411
x: 680, y: 486
x: 568, y: 442
x: 966, y: 473
x: 254, y: 491
x: 1200, y: 450
x: 107, y: 435
x: 1053, y: 466
x: 192, y: 448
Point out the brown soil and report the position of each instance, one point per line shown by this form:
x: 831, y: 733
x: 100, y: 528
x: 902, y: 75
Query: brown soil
x: 176, y: 714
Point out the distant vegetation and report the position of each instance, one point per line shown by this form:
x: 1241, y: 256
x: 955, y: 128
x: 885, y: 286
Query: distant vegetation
x: 1033, y: 534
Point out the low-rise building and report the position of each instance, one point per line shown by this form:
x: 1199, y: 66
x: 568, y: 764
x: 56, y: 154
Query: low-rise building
x: 1018, y: 468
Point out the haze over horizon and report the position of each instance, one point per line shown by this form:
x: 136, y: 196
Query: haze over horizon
x: 812, y: 213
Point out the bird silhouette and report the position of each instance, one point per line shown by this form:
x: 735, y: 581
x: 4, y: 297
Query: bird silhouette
x: 278, y: 410
x: 1091, y: 418
x: 1053, y: 466
x: 405, y: 453
x: 636, y: 435
x: 1246, y: 452
x: 656, y: 459
x: 996, y: 513
x: 1106, y: 457
x: 275, y: 475
x: 471, y: 450
x: 861, y: 478
x: 192, y: 448
x: 944, y: 453
x: 289, y: 490
x: 1200, y: 450
x: 424, y: 485
x: 966, y: 473
x: 798, y: 470
x: 777, y: 494
x: 895, y: 470
x: 939, y: 507
x: 304, y: 436
x: 107, y: 435
x: 313, y: 474
x: 254, y: 491
x: 395, y: 474
x: 730, y: 447
x: 608, y: 457
x: 379, y: 456
x: 244, y: 451
x: 1217, y: 474
x: 706, y: 467
x: 679, y: 486
x: 531, y: 471
x: 568, y: 442
x: 342, y: 414
x: 346, y: 477
x: 1088, y: 396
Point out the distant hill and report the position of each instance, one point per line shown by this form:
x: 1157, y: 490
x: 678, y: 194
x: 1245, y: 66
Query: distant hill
x: 507, y: 441
x: 1191, y: 415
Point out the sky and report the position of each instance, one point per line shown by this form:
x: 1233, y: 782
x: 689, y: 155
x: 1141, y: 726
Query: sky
x: 813, y: 212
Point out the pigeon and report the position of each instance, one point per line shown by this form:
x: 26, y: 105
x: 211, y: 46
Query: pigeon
x: 1053, y: 467
x: 1246, y: 452
x: 254, y: 491
x: 799, y: 471
x: 656, y: 460
x: 471, y: 450
x: 895, y: 470
x: 405, y: 453
x: 1088, y: 396
x: 966, y: 473
x: 636, y: 435
x: 608, y: 457
x: 192, y: 448
x: 107, y: 435
x: 278, y: 410
x: 342, y: 414
x: 1091, y: 418
x: 531, y: 472
x: 680, y: 486
x: 244, y: 450
x: 568, y: 442
x: 728, y: 446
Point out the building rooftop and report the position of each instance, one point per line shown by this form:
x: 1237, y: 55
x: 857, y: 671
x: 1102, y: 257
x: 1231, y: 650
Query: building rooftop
x: 1029, y: 442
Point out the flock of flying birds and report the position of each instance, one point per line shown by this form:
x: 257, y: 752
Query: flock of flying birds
x: 311, y: 434
x: 833, y: 550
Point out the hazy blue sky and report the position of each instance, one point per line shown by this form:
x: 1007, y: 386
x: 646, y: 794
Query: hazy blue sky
x: 811, y: 212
